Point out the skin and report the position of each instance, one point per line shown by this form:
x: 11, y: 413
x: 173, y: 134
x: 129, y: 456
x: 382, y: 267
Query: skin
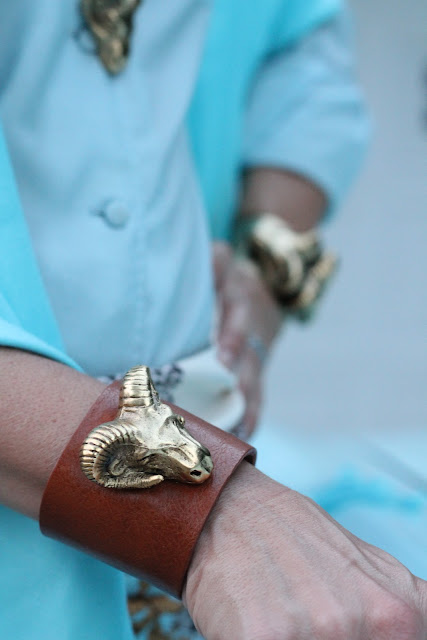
x: 246, y: 305
x: 42, y: 403
x: 297, y: 200
x: 272, y: 565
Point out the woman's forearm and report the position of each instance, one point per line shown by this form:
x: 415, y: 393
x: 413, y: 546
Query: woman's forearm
x: 42, y: 404
x: 295, y: 199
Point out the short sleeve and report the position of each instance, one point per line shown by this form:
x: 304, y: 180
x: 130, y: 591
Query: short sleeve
x: 306, y: 111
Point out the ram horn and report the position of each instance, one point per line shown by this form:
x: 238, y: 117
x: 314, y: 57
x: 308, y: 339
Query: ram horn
x: 138, y: 390
x: 100, y: 448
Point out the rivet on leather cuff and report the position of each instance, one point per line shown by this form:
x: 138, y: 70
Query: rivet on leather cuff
x: 91, y: 503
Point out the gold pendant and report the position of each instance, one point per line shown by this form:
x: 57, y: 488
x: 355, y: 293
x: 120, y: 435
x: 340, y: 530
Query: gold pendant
x: 110, y: 22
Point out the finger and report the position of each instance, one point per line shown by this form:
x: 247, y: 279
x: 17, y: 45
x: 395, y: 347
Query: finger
x: 222, y: 257
x: 251, y: 387
x: 252, y: 414
x: 233, y: 333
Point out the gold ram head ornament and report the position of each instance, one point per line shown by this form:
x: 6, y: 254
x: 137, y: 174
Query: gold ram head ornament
x: 146, y: 444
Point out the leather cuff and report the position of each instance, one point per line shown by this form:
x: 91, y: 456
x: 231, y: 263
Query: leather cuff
x: 149, y: 533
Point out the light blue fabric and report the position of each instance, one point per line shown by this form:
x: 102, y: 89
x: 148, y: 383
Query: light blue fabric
x: 49, y: 591
x: 26, y: 319
x: 264, y: 98
x: 106, y: 180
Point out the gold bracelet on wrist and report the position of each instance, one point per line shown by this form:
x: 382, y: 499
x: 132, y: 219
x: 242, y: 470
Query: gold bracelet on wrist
x: 294, y: 265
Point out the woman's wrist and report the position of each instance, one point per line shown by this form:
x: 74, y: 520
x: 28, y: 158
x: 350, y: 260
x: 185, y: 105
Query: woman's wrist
x: 276, y: 229
x: 248, y: 491
x: 298, y: 201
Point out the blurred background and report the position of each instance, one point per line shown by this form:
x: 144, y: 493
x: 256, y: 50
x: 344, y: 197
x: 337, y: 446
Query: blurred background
x: 362, y: 366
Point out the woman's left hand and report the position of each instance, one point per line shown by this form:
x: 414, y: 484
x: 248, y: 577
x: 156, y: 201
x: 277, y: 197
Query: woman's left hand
x: 249, y: 320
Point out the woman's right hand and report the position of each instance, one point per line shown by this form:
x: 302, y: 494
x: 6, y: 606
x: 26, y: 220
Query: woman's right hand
x: 272, y: 565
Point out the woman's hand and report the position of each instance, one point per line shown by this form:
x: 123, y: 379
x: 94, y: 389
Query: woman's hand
x: 272, y: 565
x: 249, y: 320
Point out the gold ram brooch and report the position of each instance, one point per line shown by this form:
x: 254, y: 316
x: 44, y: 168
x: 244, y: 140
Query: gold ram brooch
x: 146, y: 443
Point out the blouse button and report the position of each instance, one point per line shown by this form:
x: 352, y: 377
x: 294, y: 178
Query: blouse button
x: 116, y: 213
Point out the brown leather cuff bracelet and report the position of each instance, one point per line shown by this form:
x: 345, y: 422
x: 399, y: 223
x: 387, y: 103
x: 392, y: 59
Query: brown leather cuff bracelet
x: 150, y: 533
